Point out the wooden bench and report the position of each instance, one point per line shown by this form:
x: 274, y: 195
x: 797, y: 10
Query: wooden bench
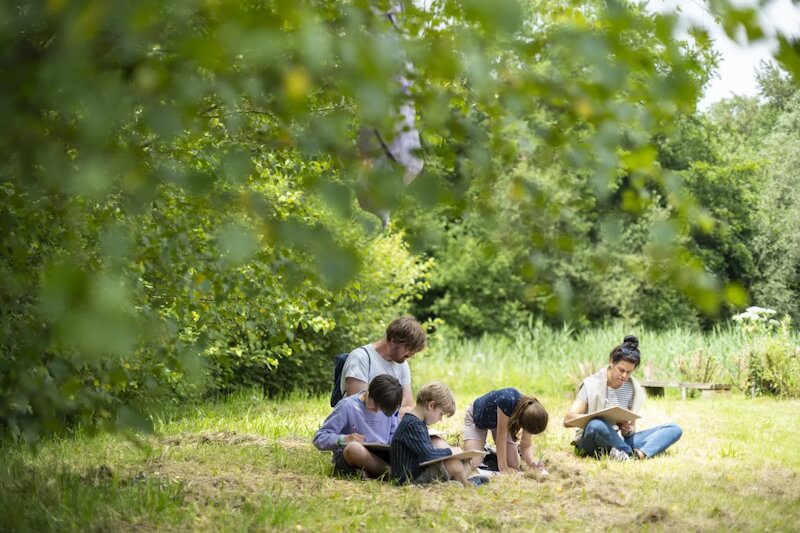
x: 656, y: 388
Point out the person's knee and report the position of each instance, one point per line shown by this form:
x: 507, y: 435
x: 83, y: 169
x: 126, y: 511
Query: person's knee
x: 676, y: 431
x: 354, y: 453
x: 595, y: 426
x: 454, y: 468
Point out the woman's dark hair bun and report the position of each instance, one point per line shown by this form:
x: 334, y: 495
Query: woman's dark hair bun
x: 631, y: 341
x: 628, y: 351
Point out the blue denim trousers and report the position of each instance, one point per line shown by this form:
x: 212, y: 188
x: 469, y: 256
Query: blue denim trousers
x: 599, y: 436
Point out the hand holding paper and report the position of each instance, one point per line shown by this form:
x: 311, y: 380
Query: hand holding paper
x: 354, y: 437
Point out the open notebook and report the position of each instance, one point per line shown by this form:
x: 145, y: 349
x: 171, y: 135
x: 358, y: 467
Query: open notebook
x: 464, y: 456
x: 615, y: 415
x: 376, y: 446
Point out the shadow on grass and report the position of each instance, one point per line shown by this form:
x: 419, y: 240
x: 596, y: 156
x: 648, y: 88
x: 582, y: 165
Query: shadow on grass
x: 48, y: 498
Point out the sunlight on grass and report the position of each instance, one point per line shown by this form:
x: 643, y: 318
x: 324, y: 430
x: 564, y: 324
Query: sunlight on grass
x: 247, y: 463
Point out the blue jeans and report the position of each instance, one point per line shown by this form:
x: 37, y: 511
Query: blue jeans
x: 599, y: 437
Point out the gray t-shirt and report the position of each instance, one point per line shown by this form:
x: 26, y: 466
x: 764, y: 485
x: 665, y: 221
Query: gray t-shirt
x: 621, y: 397
x: 359, y: 367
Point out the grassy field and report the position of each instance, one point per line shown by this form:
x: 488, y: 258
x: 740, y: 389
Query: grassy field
x: 247, y: 464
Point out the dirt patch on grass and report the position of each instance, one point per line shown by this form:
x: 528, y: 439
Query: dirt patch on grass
x: 202, y: 485
x: 561, y: 469
x: 230, y: 438
x: 652, y: 515
x: 218, y: 473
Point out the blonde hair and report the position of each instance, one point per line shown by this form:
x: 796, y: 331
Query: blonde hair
x: 529, y: 414
x: 440, y: 394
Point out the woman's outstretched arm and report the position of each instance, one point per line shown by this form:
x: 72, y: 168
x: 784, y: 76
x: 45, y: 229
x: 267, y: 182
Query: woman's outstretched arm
x: 579, y: 407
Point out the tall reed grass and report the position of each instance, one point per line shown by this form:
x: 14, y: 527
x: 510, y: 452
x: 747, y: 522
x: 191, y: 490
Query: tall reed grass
x: 539, y: 359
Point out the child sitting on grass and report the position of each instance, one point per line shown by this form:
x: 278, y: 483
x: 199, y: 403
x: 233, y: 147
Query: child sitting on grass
x: 411, y: 444
x: 369, y: 416
x: 505, y: 412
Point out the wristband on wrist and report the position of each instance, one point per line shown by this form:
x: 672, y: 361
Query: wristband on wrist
x: 340, y: 440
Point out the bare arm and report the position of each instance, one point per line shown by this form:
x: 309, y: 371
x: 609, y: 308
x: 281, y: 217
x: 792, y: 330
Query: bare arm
x: 578, y: 408
x: 408, y: 400
x: 353, y: 386
x: 500, y: 441
x: 526, y: 449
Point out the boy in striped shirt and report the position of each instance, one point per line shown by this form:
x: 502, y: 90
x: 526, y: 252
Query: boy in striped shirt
x: 411, y: 443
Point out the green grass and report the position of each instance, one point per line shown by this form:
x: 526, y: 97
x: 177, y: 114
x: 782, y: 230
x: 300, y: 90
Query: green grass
x: 247, y: 464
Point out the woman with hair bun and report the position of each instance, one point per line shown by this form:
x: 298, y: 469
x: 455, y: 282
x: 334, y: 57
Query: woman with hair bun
x: 615, y: 386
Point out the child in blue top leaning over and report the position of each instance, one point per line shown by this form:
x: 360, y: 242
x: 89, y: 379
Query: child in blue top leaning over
x: 369, y: 416
x: 505, y: 412
x: 411, y: 444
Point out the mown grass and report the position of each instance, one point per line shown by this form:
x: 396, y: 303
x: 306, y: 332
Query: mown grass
x: 247, y: 464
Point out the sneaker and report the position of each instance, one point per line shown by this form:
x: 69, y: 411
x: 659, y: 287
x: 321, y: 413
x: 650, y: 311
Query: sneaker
x: 478, y: 480
x: 616, y: 454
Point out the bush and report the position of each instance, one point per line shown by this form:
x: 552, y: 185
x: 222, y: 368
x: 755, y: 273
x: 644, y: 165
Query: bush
x: 774, y: 368
x: 771, y: 362
x: 475, y: 286
x: 277, y: 315
x: 381, y: 291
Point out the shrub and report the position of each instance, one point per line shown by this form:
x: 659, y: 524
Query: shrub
x: 774, y: 368
x: 771, y: 361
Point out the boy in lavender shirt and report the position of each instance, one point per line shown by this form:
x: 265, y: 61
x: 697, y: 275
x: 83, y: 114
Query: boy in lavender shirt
x: 369, y: 416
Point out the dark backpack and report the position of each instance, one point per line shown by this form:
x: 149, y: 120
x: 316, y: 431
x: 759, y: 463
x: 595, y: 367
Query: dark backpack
x: 490, y: 460
x: 338, y: 367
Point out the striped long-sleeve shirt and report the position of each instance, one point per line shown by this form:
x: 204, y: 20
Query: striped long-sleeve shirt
x: 411, y: 445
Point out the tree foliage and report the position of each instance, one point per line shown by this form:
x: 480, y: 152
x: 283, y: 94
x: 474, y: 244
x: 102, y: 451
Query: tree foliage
x: 177, y: 183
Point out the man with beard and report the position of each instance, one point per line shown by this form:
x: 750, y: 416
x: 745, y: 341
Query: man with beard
x: 404, y: 337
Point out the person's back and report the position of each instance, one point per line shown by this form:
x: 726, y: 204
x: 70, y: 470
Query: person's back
x: 484, y: 408
x: 411, y: 446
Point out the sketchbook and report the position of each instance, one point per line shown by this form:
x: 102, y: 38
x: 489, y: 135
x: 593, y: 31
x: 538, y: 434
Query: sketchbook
x: 380, y: 449
x: 463, y: 456
x: 615, y: 415
x: 376, y: 446
x: 436, y: 433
